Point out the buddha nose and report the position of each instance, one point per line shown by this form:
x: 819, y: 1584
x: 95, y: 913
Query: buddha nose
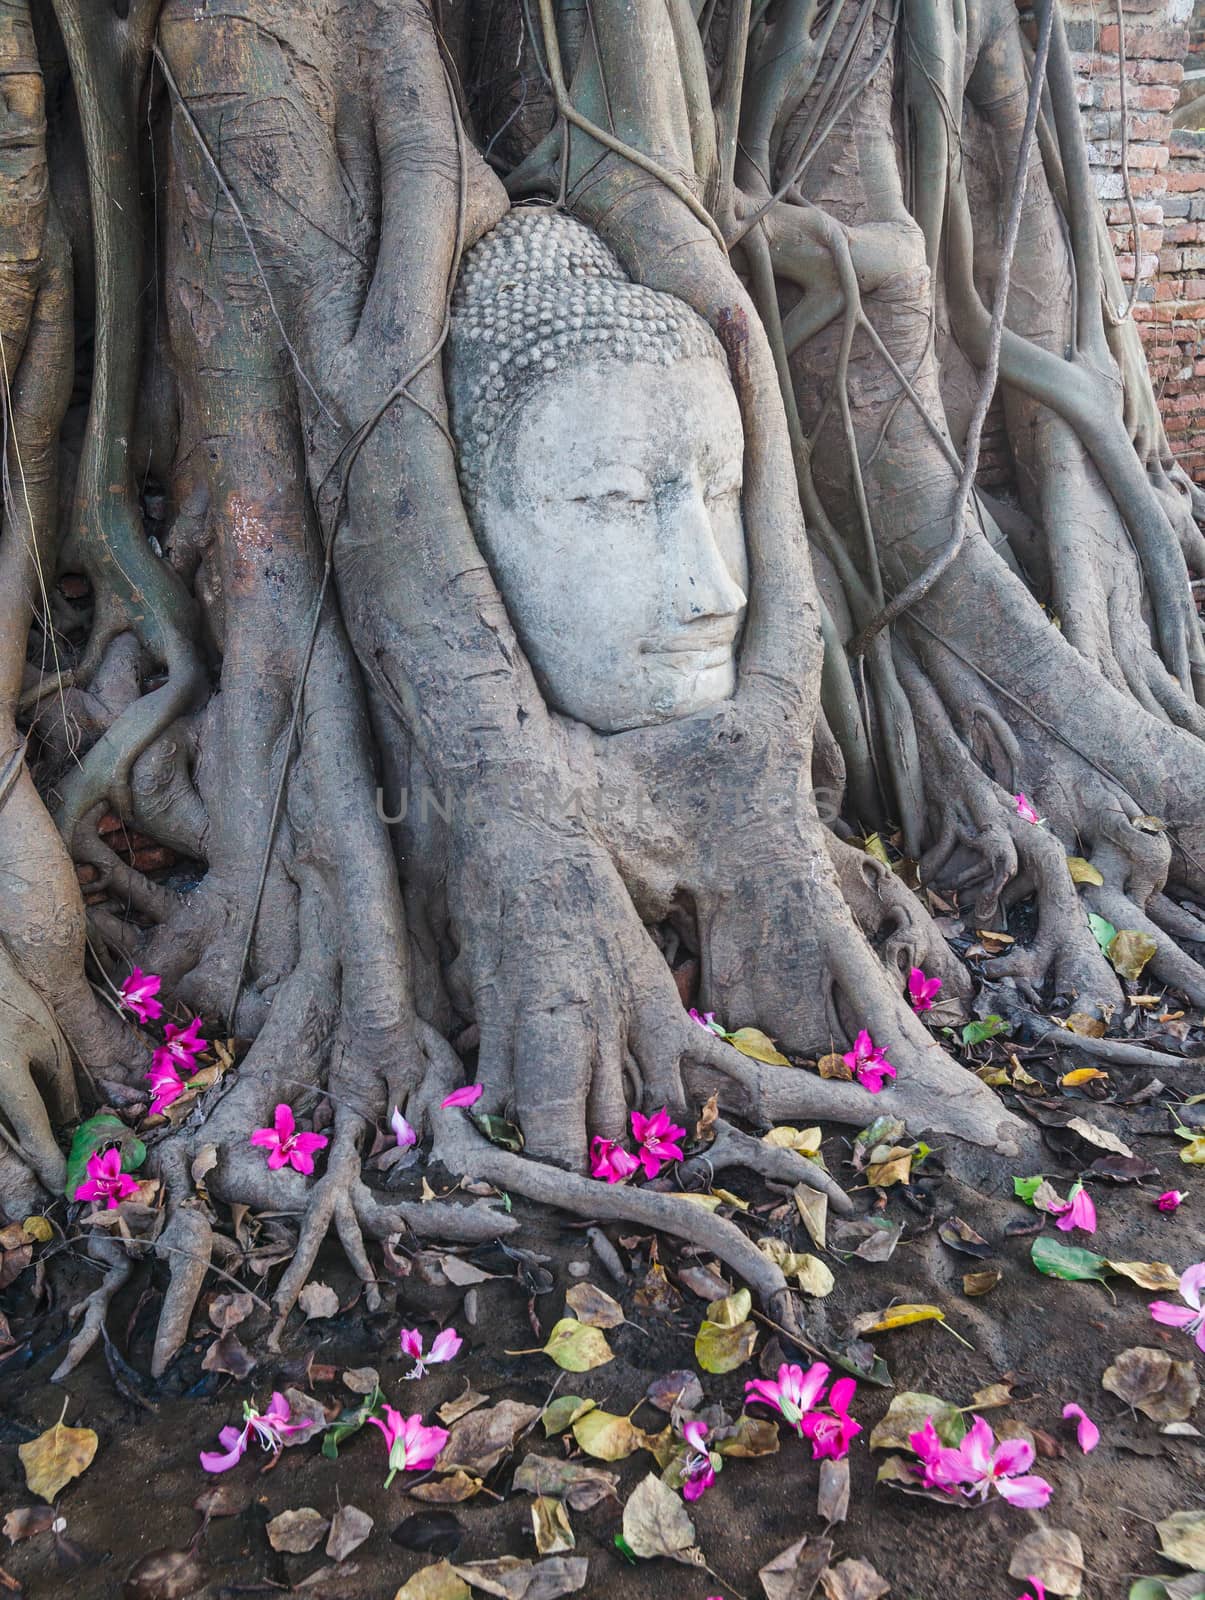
x: 703, y: 584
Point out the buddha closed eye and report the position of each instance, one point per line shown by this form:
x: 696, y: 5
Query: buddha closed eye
x: 603, y: 481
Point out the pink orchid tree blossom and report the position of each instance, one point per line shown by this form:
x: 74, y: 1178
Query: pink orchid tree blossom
x: 402, y: 1130
x: 1086, y: 1432
x: 182, y: 1046
x: 1038, y: 1587
x: 1077, y: 1211
x: 443, y: 1347
x: 106, y: 1181
x: 285, y: 1146
x: 610, y: 1161
x: 412, y: 1447
x: 271, y: 1427
x: 707, y: 1020
x: 868, y: 1063
x: 1024, y: 810
x: 166, y: 1085
x: 699, y: 1469
x: 793, y: 1393
x: 1171, y: 1200
x: 921, y: 990
x: 138, y: 995
x: 979, y: 1465
x: 468, y: 1095
x: 657, y: 1138
x: 832, y: 1431
x: 1190, y: 1316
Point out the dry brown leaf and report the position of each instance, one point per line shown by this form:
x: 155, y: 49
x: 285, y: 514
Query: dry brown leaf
x: 1152, y: 1382
x: 349, y: 1528
x: 449, y: 1491
x: 832, y: 1498
x: 580, y: 1486
x: 514, y: 1579
x: 452, y: 1410
x: 55, y: 1457
x: 655, y: 1523
x: 794, y: 1572
x: 853, y: 1580
x: 25, y: 1521
x: 594, y: 1306
x: 977, y: 1283
x: 164, y: 1575
x: 1182, y: 1538
x: 833, y: 1066
x: 478, y: 1442
x: 297, y: 1531
x: 551, y: 1527
x: 812, y: 1205
x: 318, y: 1300
x: 436, y: 1582
x: 226, y: 1311
x: 1052, y: 1555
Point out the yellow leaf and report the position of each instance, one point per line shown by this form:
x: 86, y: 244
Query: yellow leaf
x: 804, y: 1141
x: 814, y: 1277
x: 575, y: 1347
x: 1152, y: 1275
x: 725, y: 1339
x: 437, y: 1582
x: 833, y: 1066
x: 1193, y: 1153
x: 39, y: 1229
x: 1087, y: 1027
x: 977, y: 1283
x: 896, y: 1317
x: 812, y: 1205
x: 875, y: 847
x: 1129, y: 951
x: 753, y: 1042
x: 896, y: 1167
x: 709, y: 1202
x: 550, y: 1524
x: 1083, y: 1075
x: 992, y: 1076
x: 608, y: 1437
x: 1083, y: 871
x: 55, y: 1457
x: 727, y: 1198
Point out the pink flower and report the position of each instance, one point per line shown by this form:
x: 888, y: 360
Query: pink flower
x: 699, y: 1468
x: 868, y: 1063
x: 288, y: 1148
x: 1077, y: 1211
x: 831, y: 1435
x: 467, y: 1096
x: 412, y: 1448
x: 270, y: 1427
x: 656, y: 1136
x: 1086, y: 1431
x: 1189, y: 1316
x: 182, y: 1045
x: 1171, y: 1200
x: 793, y: 1393
x: 921, y: 990
x: 402, y: 1131
x: 1038, y: 1587
x: 707, y: 1020
x: 979, y: 1465
x: 137, y: 995
x: 166, y: 1084
x: 106, y: 1181
x: 443, y: 1347
x: 610, y: 1160
x: 1024, y: 810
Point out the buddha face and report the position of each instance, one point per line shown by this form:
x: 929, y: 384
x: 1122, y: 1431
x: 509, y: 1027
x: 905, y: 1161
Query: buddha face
x: 610, y: 513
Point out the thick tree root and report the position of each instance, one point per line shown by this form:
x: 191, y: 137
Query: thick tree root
x: 94, y: 1308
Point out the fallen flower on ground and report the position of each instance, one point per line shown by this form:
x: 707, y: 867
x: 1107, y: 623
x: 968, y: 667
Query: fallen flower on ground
x: 707, y: 1020
x: 794, y: 1392
x: 443, y: 1347
x: 1190, y: 1317
x: 106, y: 1181
x: 402, y: 1130
x: 868, y: 1063
x: 657, y: 1137
x: 270, y: 1427
x: 978, y: 1465
x: 699, y: 1468
x: 1078, y: 1211
x: 285, y: 1146
x: 921, y: 990
x: 182, y: 1046
x: 466, y: 1096
x: 138, y: 995
x: 832, y: 1434
x: 166, y: 1085
x: 1171, y: 1200
x: 1024, y: 810
x: 412, y: 1447
x: 611, y: 1161
x: 1038, y: 1587
x: 1086, y: 1431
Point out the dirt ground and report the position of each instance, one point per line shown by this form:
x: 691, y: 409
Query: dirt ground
x: 1055, y: 1338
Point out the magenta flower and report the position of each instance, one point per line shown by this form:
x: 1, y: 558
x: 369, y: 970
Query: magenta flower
x: 979, y: 1465
x: 610, y: 1160
x: 443, y: 1347
x: 831, y: 1434
x: 1077, y: 1211
x: 1171, y: 1200
x: 166, y: 1084
x: 657, y: 1137
x: 1189, y: 1316
x: 794, y: 1392
x: 707, y: 1020
x: 412, y: 1448
x: 286, y: 1147
x: 138, y: 995
x: 467, y: 1096
x: 106, y: 1181
x: 868, y: 1063
x: 698, y: 1472
x: 182, y: 1045
x: 402, y: 1131
x: 270, y: 1427
x: 1024, y: 810
x: 921, y: 990
x: 1038, y: 1587
x: 1086, y: 1432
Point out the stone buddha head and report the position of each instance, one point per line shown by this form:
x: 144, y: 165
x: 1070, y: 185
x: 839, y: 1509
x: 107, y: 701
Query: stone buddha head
x: 601, y: 449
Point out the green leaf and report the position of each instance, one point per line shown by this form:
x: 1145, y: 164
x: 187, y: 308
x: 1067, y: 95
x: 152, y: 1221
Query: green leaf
x: 350, y: 1422
x: 1026, y: 1188
x: 726, y: 1338
x: 96, y: 1134
x: 625, y: 1549
x: 978, y: 1032
x: 1067, y: 1261
x: 498, y: 1131
x: 576, y: 1347
x: 1103, y: 931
